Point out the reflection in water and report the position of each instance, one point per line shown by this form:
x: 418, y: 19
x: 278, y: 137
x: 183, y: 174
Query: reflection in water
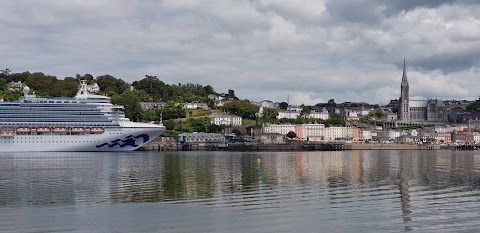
x: 409, y: 188
x: 404, y: 175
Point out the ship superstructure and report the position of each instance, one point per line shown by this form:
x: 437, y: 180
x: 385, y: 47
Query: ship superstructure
x: 86, y: 122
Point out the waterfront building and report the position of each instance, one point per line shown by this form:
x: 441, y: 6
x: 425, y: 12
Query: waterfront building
x: 226, y: 120
x: 473, y: 137
x: 443, y: 137
x: 307, y: 131
x: 459, y: 137
x: 312, y: 132
x: 367, y: 135
x: 271, y: 138
x: 278, y: 128
x: 357, y: 134
x: 201, y: 138
x: 337, y: 132
x: 388, y: 135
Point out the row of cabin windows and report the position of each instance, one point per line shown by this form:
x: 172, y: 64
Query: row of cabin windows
x: 12, y: 141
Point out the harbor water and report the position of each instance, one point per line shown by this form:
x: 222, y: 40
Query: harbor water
x: 205, y: 191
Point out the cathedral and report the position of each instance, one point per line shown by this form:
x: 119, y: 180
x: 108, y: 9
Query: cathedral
x: 419, y: 111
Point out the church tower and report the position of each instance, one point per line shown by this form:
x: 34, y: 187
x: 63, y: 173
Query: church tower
x: 404, y: 107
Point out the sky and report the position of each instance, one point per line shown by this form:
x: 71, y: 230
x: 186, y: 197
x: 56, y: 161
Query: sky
x: 303, y: 51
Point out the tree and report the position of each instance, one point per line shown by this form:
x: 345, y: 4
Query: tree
x: 331, y: 102
x: 269, y: 114
x: 152, y: 85
x: 209, y: 90
x: 42, y: 84
x: 291, y: 134
x: 109, y: 83
x: 130, y: 101
x: 283, y: 105
x: 335, y: 119
x: 170, y: 124
x: 242, y: 108
x: 6, y: 71
x: 213, y: 128
x: 231, y: 95
x: 305, y: 110
x: 87, y: 77
x: 475, y: 106
x: 377, y: 113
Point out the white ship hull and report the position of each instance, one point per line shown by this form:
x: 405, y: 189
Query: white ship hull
x: 119, y: 139
x: 86, y: 122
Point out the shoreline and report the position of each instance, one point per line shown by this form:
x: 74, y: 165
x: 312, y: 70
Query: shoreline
x: 337, y: 146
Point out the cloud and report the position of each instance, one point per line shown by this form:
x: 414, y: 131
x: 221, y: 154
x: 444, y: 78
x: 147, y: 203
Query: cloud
x: 315, y: 50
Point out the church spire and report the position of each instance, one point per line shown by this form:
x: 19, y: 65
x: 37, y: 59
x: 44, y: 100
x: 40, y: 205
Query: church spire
x: 404, y: 105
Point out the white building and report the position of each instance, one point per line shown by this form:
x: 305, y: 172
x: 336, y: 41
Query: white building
x: 364, y: 111
x: 311, y: 132
x: 388, y: 135
x: 278, y: 128
x: 319, y: 115
x: 294, y: 108
x: 440, y: 129
x: 93, y: 88
x: 152, y: 105
x: 334, y: 133
x: 267, y: 104
x: 15, y: 86
x: 195, y: 105
x: 288, y: 114
x: 367, y: 135
x: 226, y: 120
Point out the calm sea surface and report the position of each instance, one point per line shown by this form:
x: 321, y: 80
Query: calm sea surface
x: 345, y: 191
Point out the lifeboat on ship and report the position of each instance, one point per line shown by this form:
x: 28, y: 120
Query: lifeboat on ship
x: 60, y: 129
x: 97, y: 130
x: 43, y: 129
x: 23, y: 129
x: 7, y: 134
x: 78, y: 130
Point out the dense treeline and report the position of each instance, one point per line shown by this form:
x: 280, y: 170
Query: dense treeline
x: 475, y: 106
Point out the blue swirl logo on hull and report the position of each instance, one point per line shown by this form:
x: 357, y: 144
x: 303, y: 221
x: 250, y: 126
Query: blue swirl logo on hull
x: 130, y: 140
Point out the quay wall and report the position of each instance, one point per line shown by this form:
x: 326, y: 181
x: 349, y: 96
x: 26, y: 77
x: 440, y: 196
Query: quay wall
x: 392, y: 146
x: 170, y: 144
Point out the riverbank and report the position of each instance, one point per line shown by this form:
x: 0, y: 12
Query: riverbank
x: 170, y: 144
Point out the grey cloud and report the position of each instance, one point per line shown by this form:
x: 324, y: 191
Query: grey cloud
x: 354, y: 11
x: 346, y: 50
x: 447, y: 63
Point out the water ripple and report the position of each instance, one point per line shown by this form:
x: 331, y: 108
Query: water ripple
x: 350, y: 191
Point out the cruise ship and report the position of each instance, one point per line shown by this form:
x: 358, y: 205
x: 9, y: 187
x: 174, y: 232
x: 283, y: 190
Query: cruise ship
x: 86, y: 122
